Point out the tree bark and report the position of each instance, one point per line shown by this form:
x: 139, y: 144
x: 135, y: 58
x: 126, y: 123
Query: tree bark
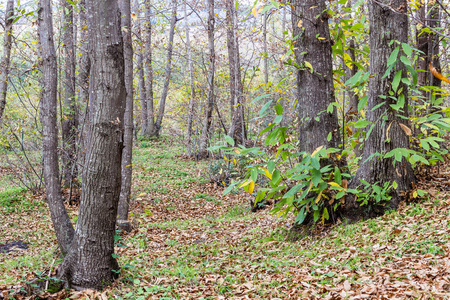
x: 5, y: 62
x: 168, y: 71
x: 315, y: 89
x: 190, y: 117
x: 149, y: 74
x: 84, y: 66
x: 127, y: 155
x: 61, y: 221
x: 141, y: 78
x: 90, y: 262
x: 70, y: 111
x: 386, y: 25
x: 433, y: 43
x: 211, y: 70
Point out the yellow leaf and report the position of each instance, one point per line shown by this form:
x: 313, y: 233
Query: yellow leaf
x: 319, y: 197
x: 317, y: 150
x: 133, y: 16
x: 334, y: 184
x: 217, y: 15
x: 348, y: 61
x: 363, y: 114
x: 308, y: 64
x: 415, y: 194
x: 405, y: 128
x: 255, y: 11
x: 387, y: 131
x: 251, y: 187
x: 320, y: 38
x: 300, y: 23
x: 225, y: 158
x: 234, y: 161
x: 268, y: 175
x: 437, y: 74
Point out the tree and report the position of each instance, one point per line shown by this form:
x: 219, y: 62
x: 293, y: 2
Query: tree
x: 389, y: 124
x: 70, y: 119
x: 90, y: 262
x: 61, y: 221
x: 211, y: 70
x: 168, y: 71
x: 141, y: 74
x: 5, y: 62
x: 149, y: 73
x: 127, y: 155
x: 315, y: 89
x: 190, y: 118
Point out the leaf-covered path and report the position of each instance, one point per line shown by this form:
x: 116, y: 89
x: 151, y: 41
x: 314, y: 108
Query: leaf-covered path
x: 189, y: 241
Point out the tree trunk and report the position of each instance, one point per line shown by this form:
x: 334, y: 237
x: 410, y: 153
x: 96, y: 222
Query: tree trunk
x: 168, y: 71
x: 422, y: 45
x: 5, y: 62
x: 433, y: 44
x: 90, y: 262
x: 210, y: 98
x: 236, y: 130
x: 190, y: 118
x: 127, y: 155
x: 386, y: 25
x: 141, y: 77
x: 70, y: 111
x: 149, y: 74
x: 61, y: 221
x: 84, y: 65
x: 315, y: 89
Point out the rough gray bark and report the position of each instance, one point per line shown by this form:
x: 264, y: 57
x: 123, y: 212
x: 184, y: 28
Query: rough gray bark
x: 149, y: 73
x: 433, y: 43
x: 211, y: 70
x: 61, y: 221
x: 236, y: 131
x: 190, y: 118
x: 6, y: 58
x: 84, y: 66
x: 90, y: 262
x: 127, y: 154
x: 70, y: 111
x: 422, y: 45
x: 386, y: 25
x: 168, y: 71
x: 315, y: 90
x: 353, y: 97
x: 266, y: 54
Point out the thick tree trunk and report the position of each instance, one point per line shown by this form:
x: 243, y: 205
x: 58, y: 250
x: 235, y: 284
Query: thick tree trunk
x: 236, y: 131
x: 386, y: 26
x: 61, y: 221
x: 314, y: 76
x: 127, y: 155
x: 168, y: 71
x: 84, y: 65
x: 190, y: 117
x: 211, y: 70
x: 70, y: 111
x: 90, y: 262
x: 5, y: 62
x: 149, y: 74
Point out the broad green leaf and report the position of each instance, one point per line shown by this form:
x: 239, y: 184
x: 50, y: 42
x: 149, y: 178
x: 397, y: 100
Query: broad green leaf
x: 393, y: 57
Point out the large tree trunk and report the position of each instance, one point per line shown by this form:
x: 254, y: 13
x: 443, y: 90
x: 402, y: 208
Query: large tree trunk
x: 236, y: 131
x: 70, y: 111
x: 84, y: 66
x: 168, y: 71
x: 90, y: 262
x: 61, y: 221
x: 387, y: 133
x: 190, y: 117
x: 127, y: 155
x: 149, y: 74
x: 211, y: 70
x: 5, y: 62
x: 315, y: 89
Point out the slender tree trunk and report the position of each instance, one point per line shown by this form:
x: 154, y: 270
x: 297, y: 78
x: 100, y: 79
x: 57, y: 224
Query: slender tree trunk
x: 190, y: 118
x: 149, y: 74
x: 422, y: 45
x: 61, y: 221
x: 210, y: 98
x: 237, y: 130
x: 84, y: 65
x: 266, y: 54
x: 5, y: 62
x: 127, y: 155
x: 141, y: 78
x: 315, y: 85
x: 433, y: 43
x: 70, y: 111
x: 168, y: 71
x: 90, y: 262
x: 381, y: 140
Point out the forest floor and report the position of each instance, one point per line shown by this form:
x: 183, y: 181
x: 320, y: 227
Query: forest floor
x: 190, y: 242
